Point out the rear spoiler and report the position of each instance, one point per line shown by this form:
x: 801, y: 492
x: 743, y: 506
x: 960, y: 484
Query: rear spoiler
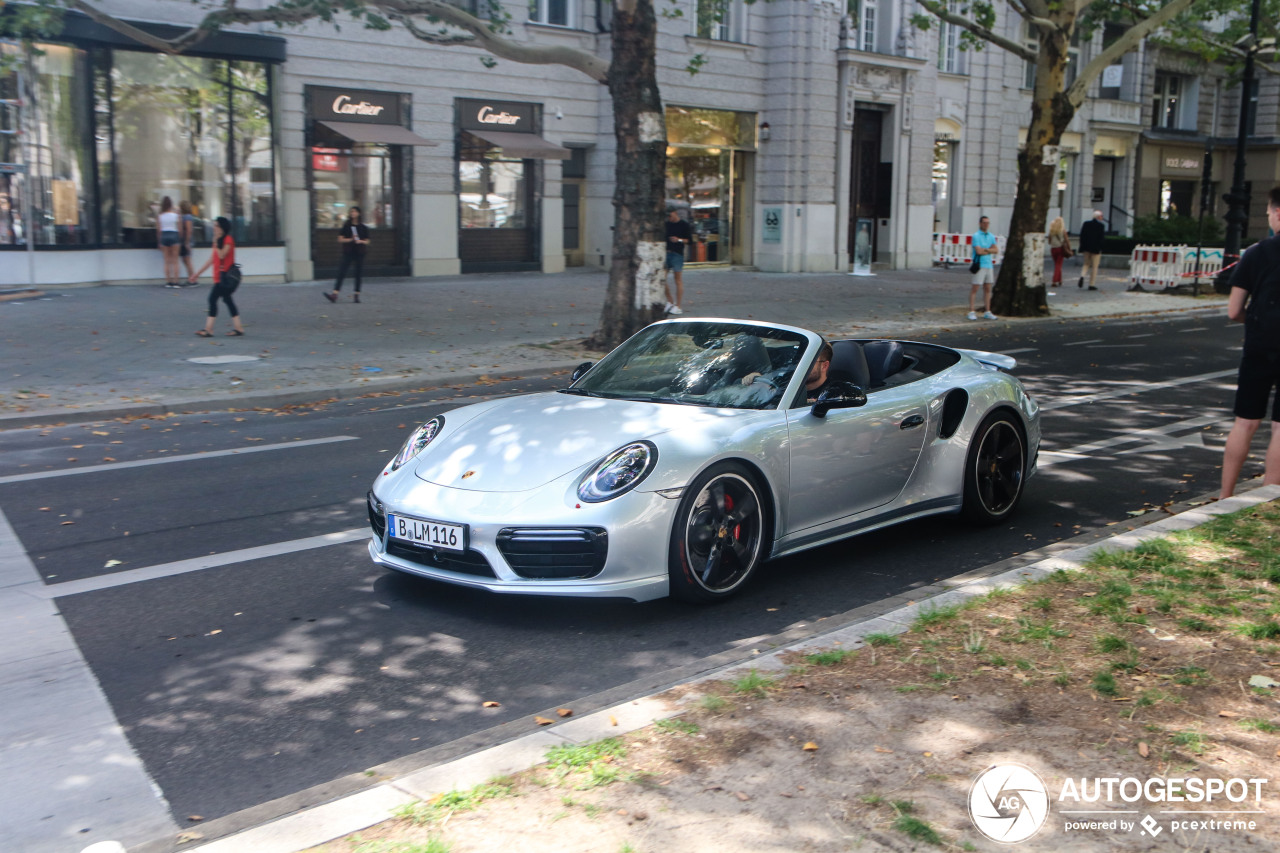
x: 991, y: 359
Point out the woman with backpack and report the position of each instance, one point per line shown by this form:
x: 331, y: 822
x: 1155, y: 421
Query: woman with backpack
x: 222, y: 259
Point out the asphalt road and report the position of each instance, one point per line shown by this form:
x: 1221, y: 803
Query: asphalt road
x: 286, y: 667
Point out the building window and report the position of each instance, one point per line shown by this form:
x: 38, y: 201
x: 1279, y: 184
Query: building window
x: 1166, y: 101
x: 557, y: 13
x: 867, y: 25
x: 951, y: 58
x: 56, y: 149
x: 721, y: 20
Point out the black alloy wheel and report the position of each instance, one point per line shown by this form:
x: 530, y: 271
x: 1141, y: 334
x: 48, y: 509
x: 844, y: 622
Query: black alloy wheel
x: 718, y: 536
x: 995, y: 471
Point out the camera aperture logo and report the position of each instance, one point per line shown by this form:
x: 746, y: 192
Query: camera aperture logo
x: 1008, y: 803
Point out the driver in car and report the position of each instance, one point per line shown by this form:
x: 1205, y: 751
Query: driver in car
x: 814, y: 384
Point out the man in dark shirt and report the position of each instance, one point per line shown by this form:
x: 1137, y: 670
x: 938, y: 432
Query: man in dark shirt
x: 817, y: 381
x: 1091, y: 234
x: 678, y: 236
x: 1253, y: 301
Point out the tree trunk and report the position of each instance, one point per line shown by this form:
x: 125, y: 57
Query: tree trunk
x: 1051, y: 112
x: 635, y: 296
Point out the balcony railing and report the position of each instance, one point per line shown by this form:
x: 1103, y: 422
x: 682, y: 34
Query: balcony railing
x: 1117, y: 112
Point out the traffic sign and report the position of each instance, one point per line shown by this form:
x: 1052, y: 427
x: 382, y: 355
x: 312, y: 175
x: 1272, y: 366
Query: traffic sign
x: 13, y: 168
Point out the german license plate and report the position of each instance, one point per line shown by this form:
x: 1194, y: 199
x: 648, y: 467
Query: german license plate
x: 434, y: 534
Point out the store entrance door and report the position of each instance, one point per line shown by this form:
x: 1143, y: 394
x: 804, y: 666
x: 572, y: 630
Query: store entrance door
x: 869, y: 182
x: 365, y: 176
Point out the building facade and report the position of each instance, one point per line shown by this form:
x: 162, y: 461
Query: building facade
x: 812, y: 132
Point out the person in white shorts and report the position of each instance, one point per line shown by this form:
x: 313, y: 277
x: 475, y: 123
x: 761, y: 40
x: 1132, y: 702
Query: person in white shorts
x: 984, y: 251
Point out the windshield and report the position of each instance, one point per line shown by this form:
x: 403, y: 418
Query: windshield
x: 725, y: 365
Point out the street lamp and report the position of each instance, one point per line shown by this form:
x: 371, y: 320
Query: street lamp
x: 1238, y: 198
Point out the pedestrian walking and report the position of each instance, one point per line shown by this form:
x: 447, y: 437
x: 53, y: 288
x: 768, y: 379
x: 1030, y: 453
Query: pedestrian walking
x: 354, y: 238
x: 1091, y: 234
x: 168, y: 238
x: 1059, y: 248
x: 679, y: 234
x: 1255, y: 301
x: 222, y: 258
x: 186, y: 236
x: 984, y: 252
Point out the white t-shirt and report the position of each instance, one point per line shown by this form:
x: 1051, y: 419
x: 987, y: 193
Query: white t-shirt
x: 169, y: 221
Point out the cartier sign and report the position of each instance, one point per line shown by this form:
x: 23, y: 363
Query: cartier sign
x: 507, y: 116
x: 357, y: 105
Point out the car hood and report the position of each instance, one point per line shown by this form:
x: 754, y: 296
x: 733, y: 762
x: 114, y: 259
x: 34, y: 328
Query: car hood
x: 525, y: 442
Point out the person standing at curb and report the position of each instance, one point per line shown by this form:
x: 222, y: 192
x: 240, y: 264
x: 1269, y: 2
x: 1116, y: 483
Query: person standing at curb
x: 1059, y: 248
x: 1255, y: 301
x: 354, y: 238
x: 678, y: 236
x: 222, y: 259
x: 1091, y: 234
x: 984, y: 251
x: 168, y: 238
x: 186, y: 234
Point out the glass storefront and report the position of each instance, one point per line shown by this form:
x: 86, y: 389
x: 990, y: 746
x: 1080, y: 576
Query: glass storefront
x: 113, y: 132
x: 364, y: 175
x: 707, y: 159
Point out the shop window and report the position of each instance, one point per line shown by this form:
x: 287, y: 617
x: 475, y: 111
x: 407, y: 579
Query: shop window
x: 951, y: 59
x: 492, y: 190
x: 721, y: 20
x: 56, y: 150
x: 1176, y: 198
x: 556, y: 13
x: 192, y: 129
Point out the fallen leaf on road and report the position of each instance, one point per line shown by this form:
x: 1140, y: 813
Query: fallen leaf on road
x: 65, y: 523
x: 252, y: 439
x: 565, y: 712
x: 613, y: 721
x: 882, y: 749
x: 543, y: 721
x: 195, y: 817
x: 108, y: 459
x: 186, y: 837
x: 46, y: 509
x: 1143, y: 749
x: 1227, y: 714
x: 741, y: 796
x: 810, y: 747
x: 215, y: 631
x: 111, y: 563
x: 100, y: 432
x: 491, y: 704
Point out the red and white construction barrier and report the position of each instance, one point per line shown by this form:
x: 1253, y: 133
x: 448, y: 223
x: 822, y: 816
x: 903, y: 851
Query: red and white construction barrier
x: 1168, y: 266
x: 951, y: 249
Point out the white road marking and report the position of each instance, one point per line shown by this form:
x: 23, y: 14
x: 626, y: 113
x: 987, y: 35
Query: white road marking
x: 1156, y: 438
x: 1147, y: 335
x: 182, y: 567
x: 1196, y: 329
x: 188, y: 457
x: 1082, y: 343
x: 1130, y: 390
x: 1016, y: 351
x: 71, y: 776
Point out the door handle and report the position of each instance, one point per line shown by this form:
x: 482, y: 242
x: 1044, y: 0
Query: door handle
x: 912, y: 422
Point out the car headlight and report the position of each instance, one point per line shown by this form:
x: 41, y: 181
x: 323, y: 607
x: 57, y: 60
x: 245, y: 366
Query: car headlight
x: 619, y: 472
x: 422, y: 436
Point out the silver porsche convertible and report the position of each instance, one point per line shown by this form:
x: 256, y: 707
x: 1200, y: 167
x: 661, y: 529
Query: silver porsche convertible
x: 696, y: 451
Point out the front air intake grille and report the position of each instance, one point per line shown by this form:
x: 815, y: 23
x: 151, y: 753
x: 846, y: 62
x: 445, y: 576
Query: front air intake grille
x: 377, y: 518
x: 462, y: 562
x: 546, y: 553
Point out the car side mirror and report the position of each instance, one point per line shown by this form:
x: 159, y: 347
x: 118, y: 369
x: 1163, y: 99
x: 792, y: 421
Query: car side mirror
x: 842, y: 395
x: 581, y: 370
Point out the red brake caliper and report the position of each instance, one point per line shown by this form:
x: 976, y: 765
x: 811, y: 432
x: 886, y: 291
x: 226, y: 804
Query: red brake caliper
x: 728, y: 507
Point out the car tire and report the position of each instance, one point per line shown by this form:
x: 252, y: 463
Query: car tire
x: 995, y: 469
x: 718, y: 538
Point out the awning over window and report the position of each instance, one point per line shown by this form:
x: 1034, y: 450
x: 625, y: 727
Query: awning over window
x: 381, y: 134
x: 523, y: 145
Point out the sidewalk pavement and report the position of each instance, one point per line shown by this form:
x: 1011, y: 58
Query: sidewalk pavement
x: 80, y: 353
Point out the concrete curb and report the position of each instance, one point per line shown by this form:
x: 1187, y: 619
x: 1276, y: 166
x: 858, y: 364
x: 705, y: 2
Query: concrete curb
x: 360, y: 810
